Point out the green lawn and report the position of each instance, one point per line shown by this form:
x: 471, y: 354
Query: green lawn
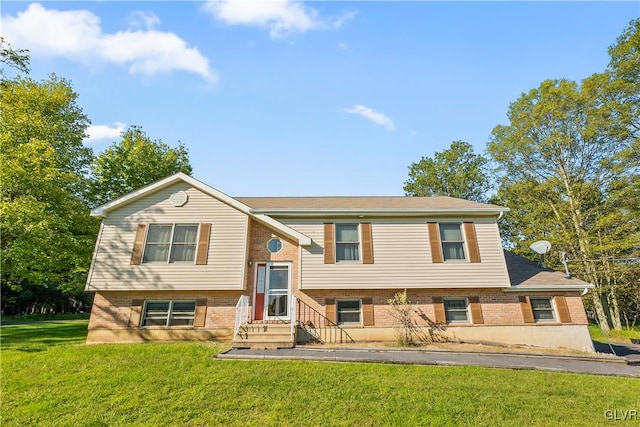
x: 50, y: 378
x: 624, y: 335
x: 30, y: 318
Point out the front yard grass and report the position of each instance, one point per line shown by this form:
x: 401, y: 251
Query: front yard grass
x: 31, y: 318
x: 50, y: 378
x: 624, y: 335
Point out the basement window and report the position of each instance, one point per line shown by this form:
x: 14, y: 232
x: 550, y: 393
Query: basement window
x: 348, y: 312
x: 542, y: 309
x: 455, y: 310
x: 169, y: 313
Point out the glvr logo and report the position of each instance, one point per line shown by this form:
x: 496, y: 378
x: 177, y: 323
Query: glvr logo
x: 621, y: 415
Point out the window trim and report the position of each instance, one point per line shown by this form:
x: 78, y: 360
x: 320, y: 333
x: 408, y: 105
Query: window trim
x: 338, y: 301
x: 336, y: 242
x: 171, y: 243
x: 465, y: 253
x: 143, y: 316
x: 552, y: 308
x: 466, y: 310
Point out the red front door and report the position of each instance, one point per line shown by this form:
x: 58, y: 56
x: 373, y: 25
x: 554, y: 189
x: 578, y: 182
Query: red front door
x: 261, y: 270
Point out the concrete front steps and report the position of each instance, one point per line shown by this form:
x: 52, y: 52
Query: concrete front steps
x: 264, y: 336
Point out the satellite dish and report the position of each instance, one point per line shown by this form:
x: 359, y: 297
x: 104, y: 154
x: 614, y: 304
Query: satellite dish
x: 540, y: 247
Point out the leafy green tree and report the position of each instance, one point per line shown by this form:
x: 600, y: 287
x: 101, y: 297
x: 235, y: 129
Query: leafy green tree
x: 624, y: 72
x: 617, y: 94
x: 559, y: 162
x: 47, y: 234
x: 620, y: 95
x: 47, y: 112
x: 455, y: 172
x: 133, y: 162
x: 14, y: 58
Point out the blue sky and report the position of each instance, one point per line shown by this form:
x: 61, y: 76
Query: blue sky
x: 309, y: 98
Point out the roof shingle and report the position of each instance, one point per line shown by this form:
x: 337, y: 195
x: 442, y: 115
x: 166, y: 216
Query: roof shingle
x: 363, y: 203
x: 524, y: 272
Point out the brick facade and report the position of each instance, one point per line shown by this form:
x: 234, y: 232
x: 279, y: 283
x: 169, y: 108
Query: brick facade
x: 112, y: 311
x: 498, y: 308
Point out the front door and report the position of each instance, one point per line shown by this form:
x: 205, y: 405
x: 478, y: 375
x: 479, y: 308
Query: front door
x: 272, y: 290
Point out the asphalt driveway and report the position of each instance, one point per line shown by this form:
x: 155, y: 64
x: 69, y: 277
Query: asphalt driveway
x: 584, y: 364
x: 630, y: 352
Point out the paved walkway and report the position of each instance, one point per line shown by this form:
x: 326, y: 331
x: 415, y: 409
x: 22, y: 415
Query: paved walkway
x: 597, y: 365
x: 630, y: 352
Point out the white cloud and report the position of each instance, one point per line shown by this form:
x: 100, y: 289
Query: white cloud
x: 343, y: 45
x: 143, y: 19
x: 369, y: 114
x: 281, y: 17
x: 101, y: 132
x: 345, y: 17
x: 77, y: 35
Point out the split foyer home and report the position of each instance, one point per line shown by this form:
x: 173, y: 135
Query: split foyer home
x: 179, y: 259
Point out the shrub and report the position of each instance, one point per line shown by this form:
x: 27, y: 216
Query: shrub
x: 409, y: 330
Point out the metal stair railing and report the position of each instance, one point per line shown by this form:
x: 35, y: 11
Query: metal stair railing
x: 294, y: 314
x: 319, y: 326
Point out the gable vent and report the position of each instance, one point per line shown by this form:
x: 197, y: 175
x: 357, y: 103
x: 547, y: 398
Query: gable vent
x: 179, y: 198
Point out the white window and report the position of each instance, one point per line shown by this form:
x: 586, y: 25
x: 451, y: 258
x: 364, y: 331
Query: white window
x: 170, y: 243
x: 347, y: 242
x: 168, y: 313
x: 456, y: 310
x: 348, y: 312
x: 542, y: 309
x: 452, y: 241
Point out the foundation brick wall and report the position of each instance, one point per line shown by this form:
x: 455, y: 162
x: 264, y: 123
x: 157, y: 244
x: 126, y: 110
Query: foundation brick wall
x: 498, y: 307
x: 112, y: 310
x: 576, y: 309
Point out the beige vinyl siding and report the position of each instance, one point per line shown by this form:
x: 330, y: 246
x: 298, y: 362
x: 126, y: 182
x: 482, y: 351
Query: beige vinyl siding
x: 227, y: 245
x: 402, y: 258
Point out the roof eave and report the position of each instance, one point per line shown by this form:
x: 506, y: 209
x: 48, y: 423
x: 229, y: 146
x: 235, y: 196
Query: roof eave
x: 377, y: 212
x: 102, y: 211
x: 548, y: 288
x: 302, y: 239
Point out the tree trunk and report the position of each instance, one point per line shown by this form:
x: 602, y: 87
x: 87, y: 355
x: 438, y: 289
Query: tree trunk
x: 614, y: 310
x: 602, y: 316
x: 583, y: 249
x: 612, y: 298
